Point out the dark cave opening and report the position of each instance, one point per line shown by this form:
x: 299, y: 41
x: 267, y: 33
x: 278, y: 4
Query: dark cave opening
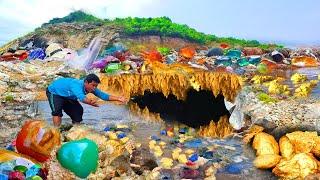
x: 198, y: 109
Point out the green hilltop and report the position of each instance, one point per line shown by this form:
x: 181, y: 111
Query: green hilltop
x: 161, y: 26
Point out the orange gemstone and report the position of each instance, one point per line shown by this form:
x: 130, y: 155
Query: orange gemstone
x: 224, y: 46
x: 270, y: 64
x: 304, y: 61
x: 37, y: 140
x: 187, y: 52
x: 152, y: 56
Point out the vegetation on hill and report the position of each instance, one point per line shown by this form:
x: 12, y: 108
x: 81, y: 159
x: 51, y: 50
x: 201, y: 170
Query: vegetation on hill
x: 76, y: 16
x: 161, y: 26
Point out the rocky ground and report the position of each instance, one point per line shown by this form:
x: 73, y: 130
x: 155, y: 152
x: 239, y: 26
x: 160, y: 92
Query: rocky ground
x: 283, y: 116
x: 21, y: 82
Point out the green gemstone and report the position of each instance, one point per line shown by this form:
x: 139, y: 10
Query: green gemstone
x: 34, y: 178
x: 38, y: 166
x: 21, y: 168
x: 243, y: 62
x: 81, y: 157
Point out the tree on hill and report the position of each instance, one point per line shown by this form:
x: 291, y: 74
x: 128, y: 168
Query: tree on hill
x: 76, y: 16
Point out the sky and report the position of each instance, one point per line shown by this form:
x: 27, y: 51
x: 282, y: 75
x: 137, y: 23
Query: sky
x: 288, y: 22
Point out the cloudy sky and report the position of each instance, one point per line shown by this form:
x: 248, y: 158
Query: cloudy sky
x: 292, y: 22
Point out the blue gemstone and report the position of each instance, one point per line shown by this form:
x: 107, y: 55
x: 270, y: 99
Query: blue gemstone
x: 194, y: 157
x: 156, y: 138
x: 163, y: 132
x: 121, y: 135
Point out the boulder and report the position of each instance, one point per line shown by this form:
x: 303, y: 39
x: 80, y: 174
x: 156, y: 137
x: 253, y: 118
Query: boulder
x: 141, y: 160
x: 250, y: 51
x: 215, y: 52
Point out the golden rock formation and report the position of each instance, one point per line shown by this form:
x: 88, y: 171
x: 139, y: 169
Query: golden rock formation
x: 176, y: 79
x: 258, y: 79
x: 316, y: 149
x: 303, y: 142
x: 145, y: 113
x: 265, y: 144
x: 109, y: 149
x: 173, y: 79
x: 266, y: 161
x: 305, y: 88
x: 220, y: 129
x: 298, y: 161
x: 286, y: 148
x: 298, y: 78
x: 274, y: 87
x: 297, y: 149
x: 79, y: 132
x: 300, y: 166
x: 255, y: 129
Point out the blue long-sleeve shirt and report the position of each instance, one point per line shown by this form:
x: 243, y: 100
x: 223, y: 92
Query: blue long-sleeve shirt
x: 73, y: 89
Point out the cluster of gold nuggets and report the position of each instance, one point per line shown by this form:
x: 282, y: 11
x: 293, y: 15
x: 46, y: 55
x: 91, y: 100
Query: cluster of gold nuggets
x: 292, y: 158
x: 303, y: 87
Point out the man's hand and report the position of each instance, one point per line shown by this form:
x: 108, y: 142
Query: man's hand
x: 94, y: 103
x: 122, y: 99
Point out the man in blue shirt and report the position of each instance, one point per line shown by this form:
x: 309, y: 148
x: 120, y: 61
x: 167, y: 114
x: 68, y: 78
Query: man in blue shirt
x: 65, y: 94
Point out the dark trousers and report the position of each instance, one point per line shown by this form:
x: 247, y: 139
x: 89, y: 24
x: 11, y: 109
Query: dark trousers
x: 71, y: 107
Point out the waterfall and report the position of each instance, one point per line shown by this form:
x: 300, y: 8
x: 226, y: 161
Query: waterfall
x: 88, y: 55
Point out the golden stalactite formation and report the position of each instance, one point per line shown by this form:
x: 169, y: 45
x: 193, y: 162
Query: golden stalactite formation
x: 173, y: 79
x: 145, y: 113
x: 220, y: 129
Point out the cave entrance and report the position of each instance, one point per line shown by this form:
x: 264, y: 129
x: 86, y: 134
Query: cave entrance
x: 198, y: 109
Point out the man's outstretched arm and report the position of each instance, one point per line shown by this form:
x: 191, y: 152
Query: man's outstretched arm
x: 107, y: 97
x: 117, y: 98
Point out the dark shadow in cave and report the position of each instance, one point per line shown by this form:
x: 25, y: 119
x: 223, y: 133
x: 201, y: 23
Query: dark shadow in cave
x: 199, y: 108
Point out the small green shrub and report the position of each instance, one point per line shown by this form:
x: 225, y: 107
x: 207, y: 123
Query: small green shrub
x: 9, y: 98
x: 266, y: 98
x: 164, y: 50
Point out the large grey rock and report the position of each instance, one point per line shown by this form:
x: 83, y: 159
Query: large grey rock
x: 215, y: 52
x: 141, y: 160
x: 122, y: 164
x: 268, y: 125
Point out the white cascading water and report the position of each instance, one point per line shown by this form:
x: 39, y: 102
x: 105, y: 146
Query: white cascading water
x: 84, y: 60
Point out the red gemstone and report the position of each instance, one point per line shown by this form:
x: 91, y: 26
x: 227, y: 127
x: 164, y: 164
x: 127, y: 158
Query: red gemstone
x: 16, y: 175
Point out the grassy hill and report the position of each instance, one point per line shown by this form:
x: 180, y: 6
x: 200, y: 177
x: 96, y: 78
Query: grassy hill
x: 161, y: 26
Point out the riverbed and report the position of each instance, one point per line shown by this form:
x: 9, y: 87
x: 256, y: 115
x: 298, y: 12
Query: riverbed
x: 230, y: 151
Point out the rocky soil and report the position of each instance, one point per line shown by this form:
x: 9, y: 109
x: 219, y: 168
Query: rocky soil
x: 283, y: 116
